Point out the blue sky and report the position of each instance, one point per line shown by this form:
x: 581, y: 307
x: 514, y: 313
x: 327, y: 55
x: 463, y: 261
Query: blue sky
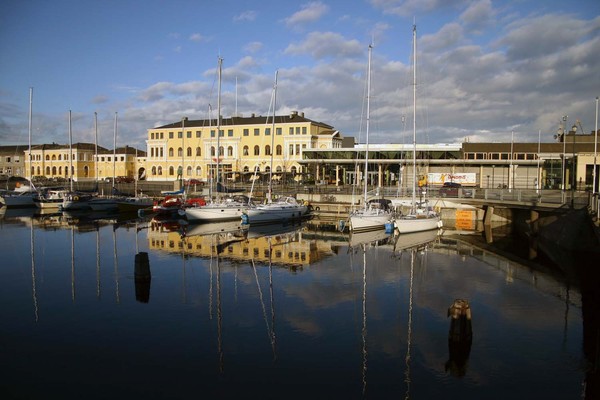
x: 486, y: 67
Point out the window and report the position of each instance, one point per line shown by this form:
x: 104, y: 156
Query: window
x: 304, y: 130
x: 246, y: 150
x: 171, y: 171
x: 256, y: 131
x: 170, y: 135
x: 291, y: 153
x: 212, y: 133
x: 179, y: 152
x: 221, y: 151
x: 278, y: 150
x: 47, y: 157
x: 230, y: 151
x: 291, y: 130
x: 188, y: 134
x: 170, y: 152
x: 212, y: 151
x: 198, y: 171
x: 267, y: 131
x: 162, y: 135
x: 298, y: 149
x: 267, y: 150
x: 151, y: 135
x: 159, y: 170
x: 246, y: 132
x: 198, y: 152
x: 257, y: 150
x: 161, y: 152
x: 179, y: 135
x: 297, y: 130
x: 189, y: 152
x: 188, y: 170
x: 278, y: 131
x: 221, y: 133
x: 230, y: 132
x: 153, y: 170
x: 198, y: 134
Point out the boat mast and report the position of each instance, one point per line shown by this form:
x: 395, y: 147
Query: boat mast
x: 96, y: 141
x: 70, y: 151
x: 365, y: 174
x: 414, y: 195
x: 273, y: 138
x: 30, y: 112
x: 218, y: 152
x: 114, y: 150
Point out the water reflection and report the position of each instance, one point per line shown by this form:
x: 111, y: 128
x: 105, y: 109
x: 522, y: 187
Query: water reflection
x: 282, y: 312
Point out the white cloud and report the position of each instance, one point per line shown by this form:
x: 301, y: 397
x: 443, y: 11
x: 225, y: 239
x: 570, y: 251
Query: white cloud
x: 320, y: 45
x: 310, y: 12
x: 196, y: 37
x: 245, y: 16
x: 253, y: 47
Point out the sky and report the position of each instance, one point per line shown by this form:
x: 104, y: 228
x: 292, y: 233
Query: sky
x: 487, y: 70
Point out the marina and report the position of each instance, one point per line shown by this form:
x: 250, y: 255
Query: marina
x: 112, y: 305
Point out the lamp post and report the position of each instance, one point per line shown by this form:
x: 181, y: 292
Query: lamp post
x: 183, y: 119
x: 510, y: 172
x: 562, y: 135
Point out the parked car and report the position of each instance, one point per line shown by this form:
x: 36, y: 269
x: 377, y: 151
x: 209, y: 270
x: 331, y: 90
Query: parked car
x: 194, y: 182
x: 452, y: 189
x: 124, y: 179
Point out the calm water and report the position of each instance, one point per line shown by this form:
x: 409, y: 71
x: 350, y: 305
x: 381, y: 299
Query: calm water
x: 281, y: 316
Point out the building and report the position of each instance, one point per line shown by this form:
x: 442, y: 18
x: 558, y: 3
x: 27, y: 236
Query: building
x: 12, y: 160
x: 243, y: 146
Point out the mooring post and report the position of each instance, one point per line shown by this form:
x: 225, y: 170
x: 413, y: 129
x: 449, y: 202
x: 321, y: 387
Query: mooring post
x: 460, y: 337
x: 142, y: 277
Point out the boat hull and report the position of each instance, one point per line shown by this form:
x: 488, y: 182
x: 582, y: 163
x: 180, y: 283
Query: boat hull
x: 100, y: 204
x: 271, y: 213
x: 215, y: 213
x: 367, y: 221
x: 417, y: 224
x: 18, y: 200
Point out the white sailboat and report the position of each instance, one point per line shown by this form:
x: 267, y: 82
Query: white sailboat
x: 106, y: 203
x: 73, y: 200
x: 284, y: 209
x: 230, y: 208
x: 22, y: 195
x: 419, y: 218
x: 372, y: 216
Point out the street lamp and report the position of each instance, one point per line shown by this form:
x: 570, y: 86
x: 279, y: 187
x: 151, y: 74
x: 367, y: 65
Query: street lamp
x: 574, y: 177
x: 595, y: 148
x: 561, y: 135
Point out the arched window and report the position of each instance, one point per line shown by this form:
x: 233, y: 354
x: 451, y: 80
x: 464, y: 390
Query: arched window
x: 53, y: 157
x: 221, y: 151
x: 171, y: 171
x: 293, y: 169
x: 198, y: 152
x: 189, y: 151
x: 47, y: 157
x: 59, y: 157
x: 230, y: 151
x: 159, y: 170
x: 47, y: 170
x: 278, y: 169
x: 86, y: 171
x: 257, y: 150
x: 60, y: 170
x: 212, y: 151
x: 188, y: 170
x: 38, y: 171
x: 153, y: 170
x: 180, y: 152
x: 53, y: 170
x: 278, y: 150
x: 170, y: 152
x: 198, y: 171
x: 267, y: 150
x: 246, y: 169
x: 267, y: 169
x: 246, y: 151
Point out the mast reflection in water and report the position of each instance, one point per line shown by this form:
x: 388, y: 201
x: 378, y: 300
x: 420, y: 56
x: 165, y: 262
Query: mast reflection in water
x: 354, y: 319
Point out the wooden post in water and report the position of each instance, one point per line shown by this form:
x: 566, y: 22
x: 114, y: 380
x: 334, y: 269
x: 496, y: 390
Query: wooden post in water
x: 142, y: 277
x: 460, y: 337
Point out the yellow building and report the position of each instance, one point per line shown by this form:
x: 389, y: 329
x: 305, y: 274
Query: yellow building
x: 53, y: 161
x: 244, y: 144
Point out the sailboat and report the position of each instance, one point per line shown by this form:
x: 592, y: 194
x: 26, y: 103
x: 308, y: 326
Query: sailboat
x: 22, y: 195
x: 73, y: 200
x: 285, y: 208
x: 419, y: 218
x: 373, y: 215
x: 105, y: 203
x: 230, y: 208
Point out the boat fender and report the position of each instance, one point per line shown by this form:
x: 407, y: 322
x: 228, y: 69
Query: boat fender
x: 75, y: 198
x: 317, y: 208
x: 305, y: 203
